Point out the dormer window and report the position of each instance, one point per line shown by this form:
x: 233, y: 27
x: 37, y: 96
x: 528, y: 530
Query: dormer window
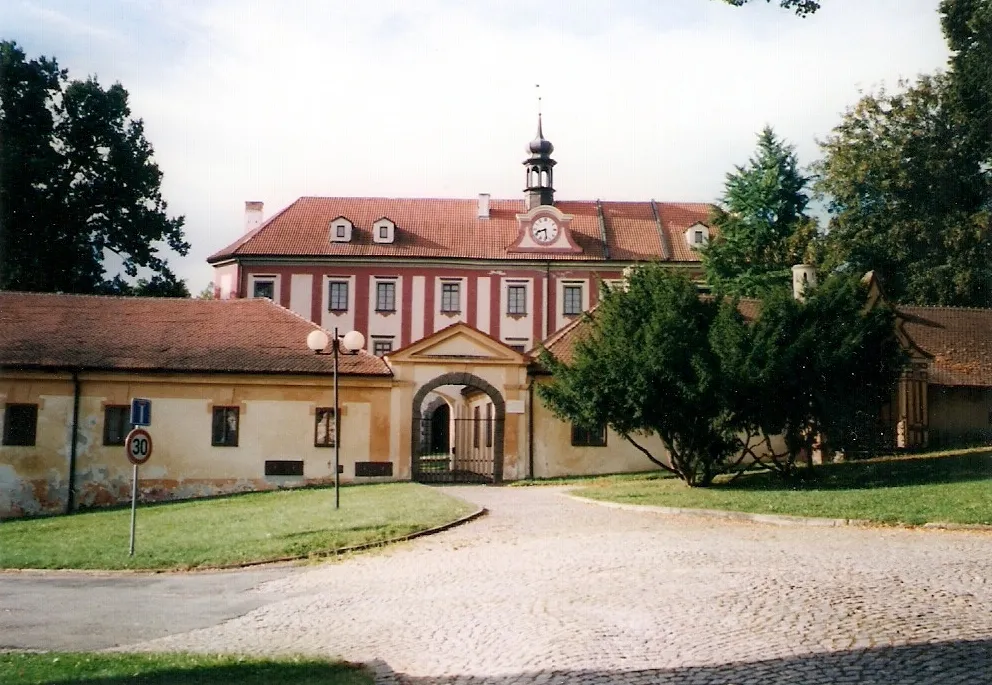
x: 341, y: 230
x: 384, y: 230
x: 697, y: 236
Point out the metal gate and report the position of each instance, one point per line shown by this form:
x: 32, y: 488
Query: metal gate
x: 455, y: 450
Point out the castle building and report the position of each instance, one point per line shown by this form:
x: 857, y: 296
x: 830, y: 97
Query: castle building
x: 398, y: 269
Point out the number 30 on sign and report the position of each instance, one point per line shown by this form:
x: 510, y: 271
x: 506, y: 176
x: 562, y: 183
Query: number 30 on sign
x: 138, y: 446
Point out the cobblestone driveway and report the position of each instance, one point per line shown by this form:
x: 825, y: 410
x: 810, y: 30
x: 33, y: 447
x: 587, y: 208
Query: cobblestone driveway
x: 549, y: 590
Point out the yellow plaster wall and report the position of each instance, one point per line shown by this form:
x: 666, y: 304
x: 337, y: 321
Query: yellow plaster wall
x: 554, y: 455
x: 276, y: 421
x: 36, y: 479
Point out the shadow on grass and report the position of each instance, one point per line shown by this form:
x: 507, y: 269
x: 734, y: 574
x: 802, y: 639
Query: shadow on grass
x: 77, y: 670
x: 878, y: 473
x: 928, y: 664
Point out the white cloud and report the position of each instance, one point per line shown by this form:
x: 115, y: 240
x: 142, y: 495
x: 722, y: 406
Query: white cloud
x: 273, y: 100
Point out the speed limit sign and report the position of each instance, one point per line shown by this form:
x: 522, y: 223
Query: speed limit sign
x: 138, y: 446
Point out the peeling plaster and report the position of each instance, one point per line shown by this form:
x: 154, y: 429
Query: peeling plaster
x: 25, y: 497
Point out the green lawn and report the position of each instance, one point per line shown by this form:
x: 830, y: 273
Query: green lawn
x: 955, y: 488
x: 169, y: 669
x: 228, y: 530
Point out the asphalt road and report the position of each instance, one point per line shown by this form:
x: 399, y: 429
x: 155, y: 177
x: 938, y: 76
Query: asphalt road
x: 88, y: 611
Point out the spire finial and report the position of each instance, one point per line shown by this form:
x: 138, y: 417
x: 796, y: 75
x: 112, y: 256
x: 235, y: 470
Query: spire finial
x: 540, y: 134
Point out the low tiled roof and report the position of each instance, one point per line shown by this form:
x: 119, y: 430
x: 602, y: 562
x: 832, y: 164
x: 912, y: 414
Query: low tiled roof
x: 958, y: 339
x: 51, y: 331
x: 562, y: 344
x: 450, y: 228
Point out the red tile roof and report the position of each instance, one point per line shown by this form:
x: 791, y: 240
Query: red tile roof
x: 562, y: 344
x: 49, y: 331
x: 958, y: 339
x: 448, y: 228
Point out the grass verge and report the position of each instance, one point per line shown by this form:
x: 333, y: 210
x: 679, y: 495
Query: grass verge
x: 954, y: 488
x: 228, y: 530
x: 167, y: 669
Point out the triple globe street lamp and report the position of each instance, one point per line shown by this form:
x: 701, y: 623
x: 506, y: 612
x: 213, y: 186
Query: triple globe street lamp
x: 352, y: 341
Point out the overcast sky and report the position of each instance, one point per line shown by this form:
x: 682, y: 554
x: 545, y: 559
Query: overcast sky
x: 258, y: 100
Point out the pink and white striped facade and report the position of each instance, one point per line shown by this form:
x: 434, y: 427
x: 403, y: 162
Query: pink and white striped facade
x: 483, y: 296
x: 397, y: 270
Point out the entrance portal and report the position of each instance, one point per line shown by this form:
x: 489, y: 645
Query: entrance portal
x: 458, y: 426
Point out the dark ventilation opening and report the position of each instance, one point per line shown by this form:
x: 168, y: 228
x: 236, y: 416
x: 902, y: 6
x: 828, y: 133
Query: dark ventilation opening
x: 372, y: 469
x: 284, y: 467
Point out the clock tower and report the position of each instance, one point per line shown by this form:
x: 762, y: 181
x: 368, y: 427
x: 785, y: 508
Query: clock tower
x: 540, y: 168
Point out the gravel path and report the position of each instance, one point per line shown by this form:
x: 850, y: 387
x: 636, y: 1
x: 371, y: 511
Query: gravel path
x: 550, y: 590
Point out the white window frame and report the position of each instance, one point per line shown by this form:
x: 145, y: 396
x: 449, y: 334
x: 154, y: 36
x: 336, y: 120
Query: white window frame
x: 391, y: 283
x: 331, y: 282
x: 521, y: 304
x: 564, y: 298
x: 457, y: 285
x: 265, y: 278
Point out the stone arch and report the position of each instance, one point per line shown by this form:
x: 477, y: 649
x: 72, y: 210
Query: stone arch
x: 472, y: 381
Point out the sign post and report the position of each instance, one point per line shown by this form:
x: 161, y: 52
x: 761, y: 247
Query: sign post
x: 138, y: 447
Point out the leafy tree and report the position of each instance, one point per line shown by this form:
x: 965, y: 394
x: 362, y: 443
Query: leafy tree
x: 157, y: 286
x: 762, y: 223
x: 803, y: 372
x: 78, y: 184
x: 802, y: 8
x: 967, y: 26
x: 207, y: 293
x: 908, y: 194
x: 646, y: 368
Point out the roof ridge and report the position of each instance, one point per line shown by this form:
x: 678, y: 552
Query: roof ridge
x: 381, y: 198
x: 103, y: 296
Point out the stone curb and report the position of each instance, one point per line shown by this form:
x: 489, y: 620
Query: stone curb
x: 778, y: 519
x: 481, y: 511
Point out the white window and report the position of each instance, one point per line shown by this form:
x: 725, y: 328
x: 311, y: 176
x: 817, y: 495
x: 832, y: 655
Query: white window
x: 697, y: 235
x: 341, y: 230
x: 337, y: 296
x: 572, y: 300
x: 451, y: 299
x: 516, y: 299
x: 264, y: 286
x: 385, y: 296
x: 382, y: 346
x: 383, y: 230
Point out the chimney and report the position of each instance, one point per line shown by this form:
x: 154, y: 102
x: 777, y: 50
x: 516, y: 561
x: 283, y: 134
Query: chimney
x: 253, y: 215
x: 483, y: 205
x: 803, y: 279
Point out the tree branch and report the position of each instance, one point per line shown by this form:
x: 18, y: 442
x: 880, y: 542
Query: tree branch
x: 650, y: 456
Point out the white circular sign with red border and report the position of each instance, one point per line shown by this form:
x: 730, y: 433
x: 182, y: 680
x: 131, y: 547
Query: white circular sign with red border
x: 138, y: 446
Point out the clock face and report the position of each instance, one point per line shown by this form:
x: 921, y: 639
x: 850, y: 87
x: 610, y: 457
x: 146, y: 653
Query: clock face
x: 544, y: 229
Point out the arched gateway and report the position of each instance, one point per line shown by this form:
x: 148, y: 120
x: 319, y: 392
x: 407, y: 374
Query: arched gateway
x: 474, y: 437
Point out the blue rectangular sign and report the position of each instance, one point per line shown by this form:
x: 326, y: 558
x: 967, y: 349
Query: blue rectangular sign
x: 141, y: 412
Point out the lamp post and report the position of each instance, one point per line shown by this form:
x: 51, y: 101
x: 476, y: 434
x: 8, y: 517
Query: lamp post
x: 353, y: 341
